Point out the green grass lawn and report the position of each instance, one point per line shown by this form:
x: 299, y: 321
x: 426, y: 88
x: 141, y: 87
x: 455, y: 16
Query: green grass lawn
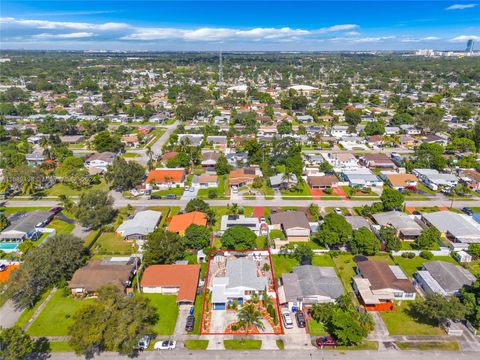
x: 283, y: 264
x: 261, y: 242
x: 401, y: 322
x: 172, y: 191
x: 62, y: 189
x: 242, y: 344
x: 429, y: 345
x: 302, y: 193
x: 219, y: 212
x: 410, y: 266
x: 167, y: 311
x: 316, y: 328
x: 382, y: 258
x: 57, y: 315
x: 474, y: 267
x: 61, y: 227
x: 425, y: 189
x: 346, y: 268
x: 60, y: 346
x: 27, y: 313
x: 322, y: 260
x: 198, y: 313
x: 196, y: 344
x: 112, y: 244
x: 130, y: 155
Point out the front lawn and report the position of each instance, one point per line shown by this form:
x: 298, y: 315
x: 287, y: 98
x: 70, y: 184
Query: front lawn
x: 57, y: 316
x: 110, y: 243
x: 410, y: 266
x: 28, y: 312
x: 63, y: 189
x: 429, y: 345
x: 401, y: 322
x: 130, y: 155
x: 242, y: 344
x: 316, y: 328
x: 172, y: 191
x: 301, y: 193
x: 167, y: 311
x: 61, y: 227
x: 283, y: 264
x: 196, y: 344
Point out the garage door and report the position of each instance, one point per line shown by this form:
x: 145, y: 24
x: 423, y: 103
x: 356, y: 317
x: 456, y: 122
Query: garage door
x: 219, y: 306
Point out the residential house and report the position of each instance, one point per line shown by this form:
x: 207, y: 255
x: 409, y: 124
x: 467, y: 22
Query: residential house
x: 377, y: 161
x: 180, y: 223
x: 379, y: 284
x: 140, y: 225
x: 25, y: 226
x: 458, y: 228
x: 360, y: 178
x: 280, y: 181
x: 407, y: 228
x: 357, y: 222
x: 407, y: 141
x: 130, y: 140
x: 192, y: 139
x: 205, y: 181
x: 307, y: 285
x: 435, y: 180
x: 243, y: 177
x: 294, y: 225
x: 165, y: 178
x: 72, y: 139
x: 401, y: 182
x: 178, y: 279
x: 339, y: 131
x: 116, y: 271
x: 410, y: 129
x: 252, y: 223
x: 209, y: 159
x: 237, y: 159
x: 342, y: 161
x: 168, y: 156
x: 375, y: 140
x: 100, y: 161
x: 471, y: 178
x: 435, y: 139
x: 443, y: 278
x: 35, y: 158
x: 392, y: 130
x: 242, y: 279
x: 322, y: 181
x: 218, y: 141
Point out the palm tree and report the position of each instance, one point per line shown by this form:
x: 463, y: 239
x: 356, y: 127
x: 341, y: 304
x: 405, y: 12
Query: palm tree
x: 234, y: 210
x: 287, y: 176
x: 250, y: 317
x: 149, y: 153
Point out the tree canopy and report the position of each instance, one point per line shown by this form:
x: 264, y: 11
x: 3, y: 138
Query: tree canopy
x: 239, y: 238
x: 392, y: 199
x: 163, y: 247
x: 197, y: 237
x: 94, y: 209
x: 125, y: 175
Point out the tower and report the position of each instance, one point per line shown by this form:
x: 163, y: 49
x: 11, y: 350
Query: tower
x: 470, y: 44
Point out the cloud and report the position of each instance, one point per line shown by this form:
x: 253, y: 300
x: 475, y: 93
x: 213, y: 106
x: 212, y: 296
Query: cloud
x: 464, y: 38
x: 334, y: 28
x: 76, y: 35
x: 461, y: 6
x: 415, y: 40
x: 45, y: 24
x: 373, y: 39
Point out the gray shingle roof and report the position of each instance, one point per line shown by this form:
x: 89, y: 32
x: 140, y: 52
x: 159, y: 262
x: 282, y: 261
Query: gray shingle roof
x: 243, y: 272
x: 290, y: 219
x: 449, y: 276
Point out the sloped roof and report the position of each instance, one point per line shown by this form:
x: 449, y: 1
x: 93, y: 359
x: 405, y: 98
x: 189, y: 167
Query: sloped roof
x: 180, y: 223
x: 290, y: 219
x: 381, y: 276
x: 243, y: 272
x: 143, y: 223
x: 165, y: 175
x: 449, y: 276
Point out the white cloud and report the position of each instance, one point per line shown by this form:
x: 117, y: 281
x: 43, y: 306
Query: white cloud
x: 424, y: 39
x: 464, y: 38
x: 76, y: 35
x: 352, y: 33
x: 373, y: 39
x: 44, y: 24
x: 334, y: 28
x: 461, y: 6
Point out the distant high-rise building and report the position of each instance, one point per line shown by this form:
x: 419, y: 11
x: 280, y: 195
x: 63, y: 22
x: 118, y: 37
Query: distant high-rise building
x: 469, y: 48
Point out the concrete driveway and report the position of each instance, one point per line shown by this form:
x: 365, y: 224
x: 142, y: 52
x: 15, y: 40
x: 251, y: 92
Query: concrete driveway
x: 189, y: 195
x: 183, y: 312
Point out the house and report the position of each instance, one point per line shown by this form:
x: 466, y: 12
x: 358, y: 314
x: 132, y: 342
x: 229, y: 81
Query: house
x: 435, y: 180
x: 392, y: 130
x: 401, y: 181
x: 100, y: 160
x: 360, y: 178
x: 116, y: 271
x: 339, y: 131
x: 304, y: 118
x: 410, y: 129
x: 252, y: 223
x: 205, y: 181
x: 35, y: 158
x: 237, y: 158
x: 25, y: 226
x: 407, y: 140
x: 307, y: 285
x: 165, y: 178
x: 242, y: 279
x: 471, y: 178
x: 179, y: 280
x: 377, y: 161
x: 357, y: 222
x: 130, y: 140
x: 180, y: 223
x: 72, y: 139
x: 406, y: 227
x: 243, y: 177
x: 443, y: 278
x: 378, y: 284
x: 218, y: 141
x: 375, y: 140
x: 435, y: 139
x: 191, y: 139
x: 342, y: 161
x: 209, y: 159
x: 168, y: 156
x: 294, y: 224
x: 280, y: 181
x: 458, y: 228
x: 138, y: 227
x: 322, y: 181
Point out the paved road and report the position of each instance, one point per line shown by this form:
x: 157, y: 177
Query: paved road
x: 374, y: 151
x: 181, y: 354
x: 9, y: 314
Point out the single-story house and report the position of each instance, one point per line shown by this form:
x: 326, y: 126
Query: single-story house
x: 24, y: 226
x: 72, y: 139
x: 435, y: 180
x: 377, y: 161
x: 177, y: 279
x: 322, y: 182
x: 307, y: 285
x: 205, y: 181
x: 252, y: 223
x: 471, y: 178
x: 280, y: 181
x: 241, y: 280
x: 165, y: 178
x: 35, y: 158
x: 100, y: 160
x: 117, y: 271
x: 218, y: 141
x: 243, y: 177
x: 192, y: 139
x: 401, y: 181
x: 294, y: 224
x: 358, y: 222
x: 138, y: 227
x: 130, y: 140
x: 360, y: 178
x: 180, y: 223
x: 443, y: 278
x: 406, y: 227
x: 209, y: 159
x: 458, y: 228
x: 375, y: 140
x: 379, y: 284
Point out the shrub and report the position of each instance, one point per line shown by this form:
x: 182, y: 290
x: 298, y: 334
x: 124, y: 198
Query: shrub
x: 408, y: 255
x: 426, y: 255
x: 212, y: 194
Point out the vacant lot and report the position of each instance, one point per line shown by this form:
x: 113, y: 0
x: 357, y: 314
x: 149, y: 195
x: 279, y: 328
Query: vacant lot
x: 112, y: 244
x: 167, y: 311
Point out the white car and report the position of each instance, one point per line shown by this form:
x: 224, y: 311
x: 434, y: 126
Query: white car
x: 165, y: 345
x: 287, y: 321
x: 338, y: 211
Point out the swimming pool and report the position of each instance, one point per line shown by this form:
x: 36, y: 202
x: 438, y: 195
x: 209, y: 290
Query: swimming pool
x: 8, y: 247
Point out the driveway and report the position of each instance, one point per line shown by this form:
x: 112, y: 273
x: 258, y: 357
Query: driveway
x: 183, y: 312
x: 220, y: 320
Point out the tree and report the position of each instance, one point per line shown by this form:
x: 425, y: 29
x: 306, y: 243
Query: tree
x: 392, y: 199
x: 222, y: 167
x: 113, y: 322
x: 105, y: 142
x: 346, y: 328
x: 284, y: 127
x: 94, y: 209
x: 436, y: 307
x: 303, y: 254
x: 427, y: 239
x: 249, y: 317
x: 197, y: 237
x: 335, y: 230
x: 4, y: 222
x: 375, y: 128
x: 326, y: 167
x: 462, y: 145
x: 430, y: 156
x: 257, y: 182
x: 470, y: 297
x: 163, y: 247
x: 125, y: 175
x: 197, y: 205
x: 239, y: 238
x: 43, y: 266
x: 15, y: 344
x: 474, y: 250
x: 365, y: 242
x: 314, y: 211
x: 353, y: 117
x: 390, y: 238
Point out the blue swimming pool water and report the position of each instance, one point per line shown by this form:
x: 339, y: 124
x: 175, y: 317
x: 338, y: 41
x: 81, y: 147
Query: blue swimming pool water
x: 8, y: 246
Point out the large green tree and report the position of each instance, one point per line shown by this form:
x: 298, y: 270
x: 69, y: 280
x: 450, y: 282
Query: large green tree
x: 392, y: 199
x: 15, y: 344
x: 94, y: 209
x: 428, y: 239
x: 239, y: 238
x: 334, y: 231
x: 163, y: 247
x: 436, y: 307
x: 197, y: 237
x: 364, y: 242
x: 124, y: 175
x: 103, y: 141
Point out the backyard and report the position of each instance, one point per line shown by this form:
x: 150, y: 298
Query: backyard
x: 410, y: 266
x: 110, y: 243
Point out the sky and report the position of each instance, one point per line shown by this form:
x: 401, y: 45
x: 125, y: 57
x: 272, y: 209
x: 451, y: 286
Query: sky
x: 239, y: 25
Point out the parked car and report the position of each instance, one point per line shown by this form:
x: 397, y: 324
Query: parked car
x: 56, y: 210
x: 171, y: 196
x: 155, y: 197
x: 287, y: 321
x: 326, y: 341
x: 189, y: 325
x: 144, y: 343
x: 468, y: 211
x: 3, y: 267
x: 338, y: 211
x: 301, y: 323
x: 165, y: 345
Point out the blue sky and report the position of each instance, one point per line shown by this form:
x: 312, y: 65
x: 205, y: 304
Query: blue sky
x: 238, y: 25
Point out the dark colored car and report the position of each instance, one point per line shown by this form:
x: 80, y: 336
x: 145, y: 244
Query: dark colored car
x: 171, y: 196
x: 301, y: 323
x: 189, y: 325
x: 155, y: 197
x: 3, y: 267
x: 326, y: 341
x: 56, y: 210
x: 468, y: 211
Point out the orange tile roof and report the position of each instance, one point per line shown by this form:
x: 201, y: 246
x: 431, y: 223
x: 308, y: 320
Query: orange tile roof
x: 183, y: 276
x: 401, y: 179
x: 4, y: 275
x: 180, y: 223
x: 165, y: 175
